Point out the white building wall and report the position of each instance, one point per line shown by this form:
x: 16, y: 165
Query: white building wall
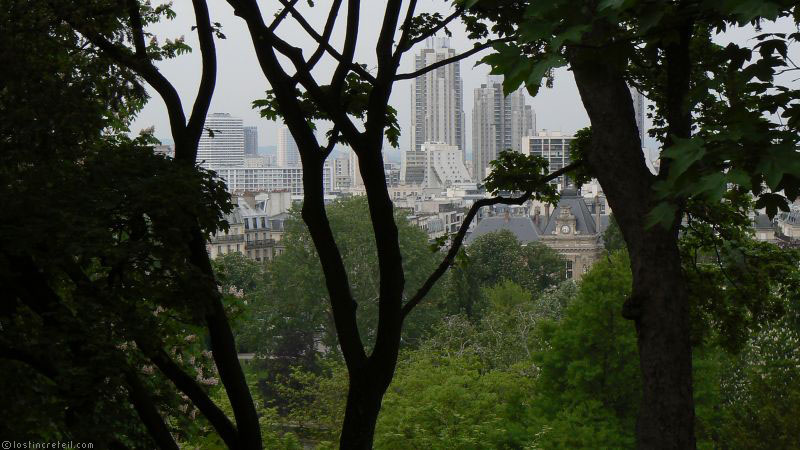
x: 222, y: 142
x: 288, y: 153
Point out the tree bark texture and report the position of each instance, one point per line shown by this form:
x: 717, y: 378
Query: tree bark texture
x: 659, y: 301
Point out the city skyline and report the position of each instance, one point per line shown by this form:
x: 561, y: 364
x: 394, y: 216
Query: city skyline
x: 240, y: 80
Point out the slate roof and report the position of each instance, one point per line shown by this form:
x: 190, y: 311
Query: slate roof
x: 761, y: 222
x: 522, y: 227
x: 577, y: 205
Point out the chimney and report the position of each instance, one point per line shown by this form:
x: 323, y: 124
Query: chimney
x: 597, y: 213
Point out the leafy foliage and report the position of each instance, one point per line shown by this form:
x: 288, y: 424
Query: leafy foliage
x: 514, y: 172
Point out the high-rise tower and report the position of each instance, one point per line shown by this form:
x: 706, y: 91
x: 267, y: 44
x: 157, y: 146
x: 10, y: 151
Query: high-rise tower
x: 498, y: 123
x: 222, y: 142
x: 251, y: 141
x: 288, y: 154
x: 638, y: 110
x: 437, y: 112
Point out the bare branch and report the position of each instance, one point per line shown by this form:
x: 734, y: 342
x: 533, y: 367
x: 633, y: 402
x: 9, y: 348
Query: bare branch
x: 462, y: 232
x: 430, y: 32
x: 208, y: 78
x: 282, y: 15
x: 402, y: 45
x: 351, y: 36
x: 446, y: 61
x: 326, y: 34
x: 323, y: 43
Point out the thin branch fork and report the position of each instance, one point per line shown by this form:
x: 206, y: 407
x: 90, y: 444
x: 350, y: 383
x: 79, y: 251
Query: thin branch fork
x: 462, y: 232
x: 452, y: 59
x: 323, y: 40
x: 405, y: 46
x: 282, y: 15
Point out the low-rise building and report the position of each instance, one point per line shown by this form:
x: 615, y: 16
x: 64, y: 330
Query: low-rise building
x: 256, y: 227
x: 573, y: 229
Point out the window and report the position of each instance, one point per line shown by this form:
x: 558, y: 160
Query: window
x: 569, y: 270
x: 255, y: 223
x: 238, y: 248
x: 263, y: 222
x: 246, y: 224
x: 219, y: 249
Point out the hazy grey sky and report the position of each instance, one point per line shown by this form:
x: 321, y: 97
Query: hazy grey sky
x: 240, y: 80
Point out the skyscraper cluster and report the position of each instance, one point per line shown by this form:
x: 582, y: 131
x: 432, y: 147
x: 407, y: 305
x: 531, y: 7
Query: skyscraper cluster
x: 437, y: 116
x: 498, y: 123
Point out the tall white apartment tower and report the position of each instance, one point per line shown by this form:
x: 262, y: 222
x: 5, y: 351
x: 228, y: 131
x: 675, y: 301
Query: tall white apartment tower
x: 638, y: 110
x: 288, y: 154
x: 251, y: 141
x: 222, y: 142
x: 437, y: 112
x: 498, y: 123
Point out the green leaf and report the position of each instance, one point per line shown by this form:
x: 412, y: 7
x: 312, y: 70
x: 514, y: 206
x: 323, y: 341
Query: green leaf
x: 662, y: 214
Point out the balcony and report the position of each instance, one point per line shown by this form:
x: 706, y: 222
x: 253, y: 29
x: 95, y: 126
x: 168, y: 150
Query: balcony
x: 260, y: 243
x: 227, y: 238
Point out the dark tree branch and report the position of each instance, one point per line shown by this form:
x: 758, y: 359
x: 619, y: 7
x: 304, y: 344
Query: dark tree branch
x: 326, y: 151
x: 148, y: 412
x: 383, y: 48
x: 137, y: 28
x: 405, y: 36
x: 42, y: 366
x: 446, y: 21
x: 348, y: 52
x: 282, y: 15
x: 326, y: 34
x: 446, y: 61
x: 323, y: 43
x: 197, y: 395
x: 208, y: 78
x: 159, y: 357
x: 343, y: 305
x: 151, y: 75
x: 462, y: 232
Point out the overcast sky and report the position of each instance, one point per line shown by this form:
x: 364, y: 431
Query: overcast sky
x: 240, y: 80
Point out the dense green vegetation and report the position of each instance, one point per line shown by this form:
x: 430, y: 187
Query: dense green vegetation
x: 530, y: 365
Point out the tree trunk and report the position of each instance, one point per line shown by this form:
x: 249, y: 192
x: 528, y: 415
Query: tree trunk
x: 659, y: 301
x: 361, y: 412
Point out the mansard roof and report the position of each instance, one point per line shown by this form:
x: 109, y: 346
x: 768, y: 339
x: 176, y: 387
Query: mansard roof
x: 522, y: 227
x: 584, y: 220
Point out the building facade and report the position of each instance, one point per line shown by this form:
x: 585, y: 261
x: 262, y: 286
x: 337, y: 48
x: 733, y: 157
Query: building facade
x: 288, y: 153
x: 444, y: 166
x: 499, y: 123
x: 222, y: 142
x: 554, y: 147
x: 437, y: 112
x: 250, y: 141
x: 270, y: 179
x: 255, y: 227
x: 638, y: 110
